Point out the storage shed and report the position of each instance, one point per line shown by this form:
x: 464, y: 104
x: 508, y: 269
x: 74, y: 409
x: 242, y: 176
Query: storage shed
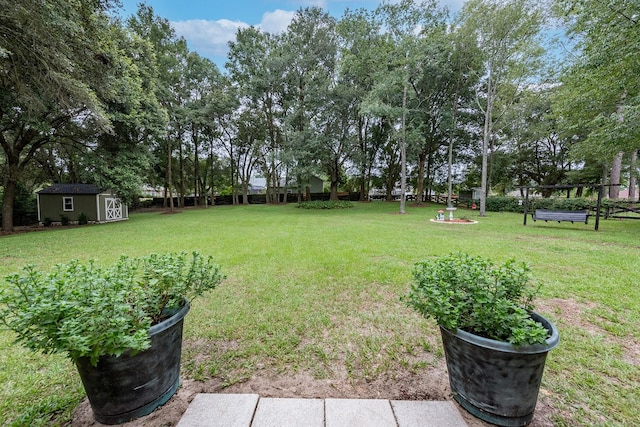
x: 73, y: 200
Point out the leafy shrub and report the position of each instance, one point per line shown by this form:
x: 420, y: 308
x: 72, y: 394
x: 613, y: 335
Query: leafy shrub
x: 561, y: 203
x: 472, y: 294
x: 64, y: 220
x: 83, y: 218
x: 504, y: 204
x: 326, y: 204
x: 47, y: 222
x: 87, y: 310
x: 516, y: 204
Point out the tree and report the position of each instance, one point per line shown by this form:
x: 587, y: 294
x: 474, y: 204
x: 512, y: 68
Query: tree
x: 205, y: 86
x: 317, y: 131
x: 256, y: 67
x: 120, y: 160
x: 54, y: 55
x: 170, y: 56
x: 507, y: 35
x: 361, y: 47
x: 598, y: 103
x: 398, y: 53
x: 539, y: 153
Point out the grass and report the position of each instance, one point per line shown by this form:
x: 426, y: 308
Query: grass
x: 317, y: 291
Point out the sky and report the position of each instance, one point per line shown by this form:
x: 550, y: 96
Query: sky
x: 208, y: 25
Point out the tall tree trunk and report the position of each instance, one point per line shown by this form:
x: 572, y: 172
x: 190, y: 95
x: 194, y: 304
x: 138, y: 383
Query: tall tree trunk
x: 169, y: 177
x: 8, y: 200
x: 422, y: 160
x: 633, y: 175
x: 485, y: 142
x: 616, y: 172
x: 403, y: 151
x: 454, y: 117
x: 245, y: 193
x: 181, y: 164
x: 196, y: 167
x: 335, y: 180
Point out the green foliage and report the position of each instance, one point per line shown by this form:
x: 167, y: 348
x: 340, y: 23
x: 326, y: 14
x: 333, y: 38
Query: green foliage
x: 516, y: 204
x: 64, y: 220
x: 83, y: 218
x: 505, y: 204
x: 89, y: 310
x: 561, y: 203
x: 599, y: 98
x: 326, y: 204
x: 472, y: 294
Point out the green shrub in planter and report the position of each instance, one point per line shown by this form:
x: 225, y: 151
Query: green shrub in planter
x: 495, y: 346
x: 471, y: 293
x: 87, y: 310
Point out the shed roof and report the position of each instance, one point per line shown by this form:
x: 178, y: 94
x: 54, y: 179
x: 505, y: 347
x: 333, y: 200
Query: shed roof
x: 71, y: 189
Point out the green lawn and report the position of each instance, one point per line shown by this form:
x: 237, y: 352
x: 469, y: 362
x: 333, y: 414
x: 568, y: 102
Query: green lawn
x: 317, y: 292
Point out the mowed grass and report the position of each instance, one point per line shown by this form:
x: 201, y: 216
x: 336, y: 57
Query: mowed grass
x: 318, y: 292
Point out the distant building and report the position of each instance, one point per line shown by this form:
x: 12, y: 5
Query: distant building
x: 73, y: 200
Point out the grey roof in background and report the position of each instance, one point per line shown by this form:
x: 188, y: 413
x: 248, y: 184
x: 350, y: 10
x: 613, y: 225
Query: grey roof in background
x: 71, y: 189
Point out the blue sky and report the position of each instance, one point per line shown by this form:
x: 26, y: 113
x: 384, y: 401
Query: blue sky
x: 209, y: 25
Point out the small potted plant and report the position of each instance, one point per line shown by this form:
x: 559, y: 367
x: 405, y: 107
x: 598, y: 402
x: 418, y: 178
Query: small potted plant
x: 495, y: 344
x: 121, y: 324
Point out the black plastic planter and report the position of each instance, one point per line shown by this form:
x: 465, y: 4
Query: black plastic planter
x: 127, y: 387
x: 493, y: 380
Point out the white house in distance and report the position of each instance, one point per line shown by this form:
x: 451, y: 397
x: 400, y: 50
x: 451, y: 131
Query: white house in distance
x: 73, y: 200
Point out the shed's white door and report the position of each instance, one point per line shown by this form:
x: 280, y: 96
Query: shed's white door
x: 113, y: 209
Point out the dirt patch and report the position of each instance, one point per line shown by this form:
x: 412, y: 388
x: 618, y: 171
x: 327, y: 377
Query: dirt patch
x: 432, y: 384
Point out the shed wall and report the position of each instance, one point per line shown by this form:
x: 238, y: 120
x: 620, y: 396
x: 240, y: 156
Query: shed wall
x: 51, y: 206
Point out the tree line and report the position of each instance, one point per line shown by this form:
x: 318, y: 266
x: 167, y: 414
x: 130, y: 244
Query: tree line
x: 405, y: 93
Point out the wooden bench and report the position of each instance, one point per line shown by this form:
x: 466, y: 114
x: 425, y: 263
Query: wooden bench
x: 549, y: 215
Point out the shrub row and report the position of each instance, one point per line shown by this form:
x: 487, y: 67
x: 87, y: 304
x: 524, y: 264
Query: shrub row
x: 516, y: 204
x: 326, y: 204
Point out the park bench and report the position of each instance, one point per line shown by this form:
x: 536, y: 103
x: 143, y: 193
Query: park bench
x: 549, y: 215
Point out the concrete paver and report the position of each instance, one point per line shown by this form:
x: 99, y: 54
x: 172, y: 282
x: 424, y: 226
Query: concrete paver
x: 220, y: 410
x: 249, y: 410
x: 414, y: 413
x: 289, y: 413
x: 359, y: 412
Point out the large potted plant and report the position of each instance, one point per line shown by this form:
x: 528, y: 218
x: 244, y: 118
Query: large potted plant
x: 121, y: 324
x: 495, y: 345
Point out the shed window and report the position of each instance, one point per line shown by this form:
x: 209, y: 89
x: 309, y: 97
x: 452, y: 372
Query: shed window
x: 67, y: 204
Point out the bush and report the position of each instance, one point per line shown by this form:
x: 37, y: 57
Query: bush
x: 86, y: 310
x: 326, y: 204
x: 474, y: 295
x: 561, y: 203
x: 83, y: 218
x: 64, y: 220
x: 505, y: 204
x: 516, y: 204
x: 47, y: 222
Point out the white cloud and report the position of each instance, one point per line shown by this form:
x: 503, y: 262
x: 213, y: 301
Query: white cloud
x: 211, y: 38
x: 276, y: 21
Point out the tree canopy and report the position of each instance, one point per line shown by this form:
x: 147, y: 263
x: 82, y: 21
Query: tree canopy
x: 401, y: 96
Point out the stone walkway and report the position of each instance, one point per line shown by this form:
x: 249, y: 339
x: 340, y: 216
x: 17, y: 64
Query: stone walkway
x: 250, y: 410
